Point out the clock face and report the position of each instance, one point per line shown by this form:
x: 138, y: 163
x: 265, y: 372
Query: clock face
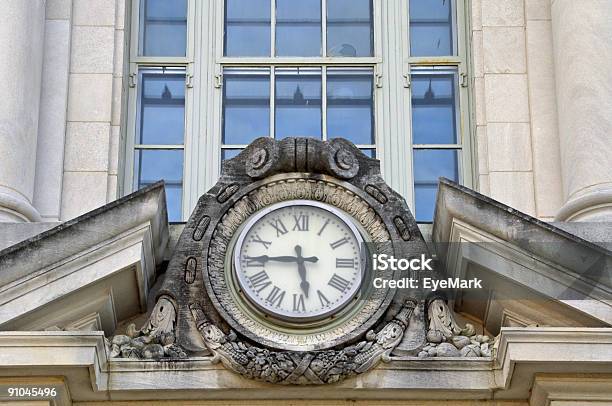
x: 299, y: 260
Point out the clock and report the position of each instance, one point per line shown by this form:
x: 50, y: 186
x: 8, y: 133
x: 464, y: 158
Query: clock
x: 299, y: 261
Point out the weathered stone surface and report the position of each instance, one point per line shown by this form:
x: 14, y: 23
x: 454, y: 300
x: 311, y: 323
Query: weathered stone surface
x: 447, y: 350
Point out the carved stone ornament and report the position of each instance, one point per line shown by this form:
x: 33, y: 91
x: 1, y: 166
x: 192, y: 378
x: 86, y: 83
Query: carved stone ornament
x: 446, y: 339
x: 200, y: 310
x: 309, y: 367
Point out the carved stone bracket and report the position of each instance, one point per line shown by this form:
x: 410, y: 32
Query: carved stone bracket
x: 155, y: 340
x: 303, y: 368
x: 447, y: 339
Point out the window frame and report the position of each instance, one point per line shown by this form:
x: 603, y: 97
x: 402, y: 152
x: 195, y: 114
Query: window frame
x: 204, y: 62
x: 460, y: 62
x: 135, y: 64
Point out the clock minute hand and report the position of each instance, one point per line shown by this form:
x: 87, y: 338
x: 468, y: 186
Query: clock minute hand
x: 304, y: 285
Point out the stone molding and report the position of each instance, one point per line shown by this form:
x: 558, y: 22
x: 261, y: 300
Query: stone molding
x: 90, y: 375
x: 593, y: 390
x: 81, y: 260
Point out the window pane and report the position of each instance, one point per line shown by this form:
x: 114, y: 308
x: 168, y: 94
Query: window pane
x: 246, y: 105
x: 298, y: 28
x: 349, y: 28
x: 370, y: 152
x: 431, y: 28
x: 163, y: 27
x: 229, y: 153
x: 434, y: 107
x: 247, y: 27
x: 153, y: 165
x: 429, y: 165
x: 161, y: 115
x: 298, y: 102
x: 350, y: 107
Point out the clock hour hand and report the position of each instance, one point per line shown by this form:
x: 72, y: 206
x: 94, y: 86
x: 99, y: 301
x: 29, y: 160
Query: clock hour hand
x: 304, y: 285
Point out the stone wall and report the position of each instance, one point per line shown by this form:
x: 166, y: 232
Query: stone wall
x: 515, y: 107
x: 290, y: 402
x: 77, y: 162
x: 531, y: 134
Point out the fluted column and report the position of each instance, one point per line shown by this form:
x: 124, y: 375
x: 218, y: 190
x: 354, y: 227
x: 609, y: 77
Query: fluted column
x: 21, y: 56
x: 582, y: 38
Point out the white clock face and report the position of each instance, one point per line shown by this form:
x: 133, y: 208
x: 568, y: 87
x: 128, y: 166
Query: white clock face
x: 299, y: 260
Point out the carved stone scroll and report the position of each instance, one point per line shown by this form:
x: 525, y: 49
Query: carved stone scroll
x: 292, y: 367
x: 446, y: 339
x: 155, y: 340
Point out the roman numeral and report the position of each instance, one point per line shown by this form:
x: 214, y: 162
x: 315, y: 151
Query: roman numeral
x: 324, y: 301
x: 339, y: 243
x: 260, y: 281
x: 298, y: 303
x: 323, y: 228
x: 251, y: 263
x: 276, y: 296
x: 301, y: 222
x: 257, y: 238
x: 338, y: 282
x: 345, y: 262
x: 279, y: 227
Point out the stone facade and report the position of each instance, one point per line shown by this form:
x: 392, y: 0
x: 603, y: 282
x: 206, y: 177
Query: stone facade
x: 539, y: 85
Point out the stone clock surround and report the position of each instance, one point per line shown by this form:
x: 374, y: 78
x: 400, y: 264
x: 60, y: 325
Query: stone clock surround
x: 197, y: 314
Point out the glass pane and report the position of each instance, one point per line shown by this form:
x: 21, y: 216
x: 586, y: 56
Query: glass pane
x: 349, y: 28
x: 246, y: 106
x: 247, y: 28
x: 350, y: 105
x: 161, y: 115
x: 431, y: 28
x: 163, y: 27
x: 298, y: 103
x: 370, y: 152
x: 153, y: 165
x: 434, y: 107
x: 229, y: 153
x: 298, y: 28
x: 429, y: 165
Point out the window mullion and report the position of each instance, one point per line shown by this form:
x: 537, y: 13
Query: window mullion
x: 272, y: 28
x: 324, y: 28
x: 272, y: 100
x: 324, y: 102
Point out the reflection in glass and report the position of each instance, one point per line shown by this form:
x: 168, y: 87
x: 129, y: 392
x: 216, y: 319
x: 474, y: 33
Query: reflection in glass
x: 298, y: 102
x: 429, y: 165
x: 163, y: 28
x: 246, y: 105
x: 298, y: 28
x: 247, y: 28
x: 370, y: 152
x: 153, y: 165
x: 161, y: 112
x: 349, y: 28
x: 350, y: 105
x: 431, y: 28
x: 227, y: 153
x: 434, y: 107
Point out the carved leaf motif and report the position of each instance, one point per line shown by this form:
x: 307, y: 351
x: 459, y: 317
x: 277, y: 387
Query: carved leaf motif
x: 292, y: 367
x: 226, y: 193
x: 402, y: 228
x: 190, y: 270
x: 376, y: 193
x: 200, y: 230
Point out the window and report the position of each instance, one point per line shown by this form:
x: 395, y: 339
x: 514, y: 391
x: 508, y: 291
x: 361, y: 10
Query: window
x: 208, y: 77
x: 292, y: 89
x: 436, y: 65
x: 158, y: 88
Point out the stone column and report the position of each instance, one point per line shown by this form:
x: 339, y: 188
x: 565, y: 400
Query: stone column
x: 582, y: 40
x: 21, y: 56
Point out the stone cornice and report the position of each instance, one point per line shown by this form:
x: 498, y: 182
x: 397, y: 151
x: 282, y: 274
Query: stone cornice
x: 82, y: 358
